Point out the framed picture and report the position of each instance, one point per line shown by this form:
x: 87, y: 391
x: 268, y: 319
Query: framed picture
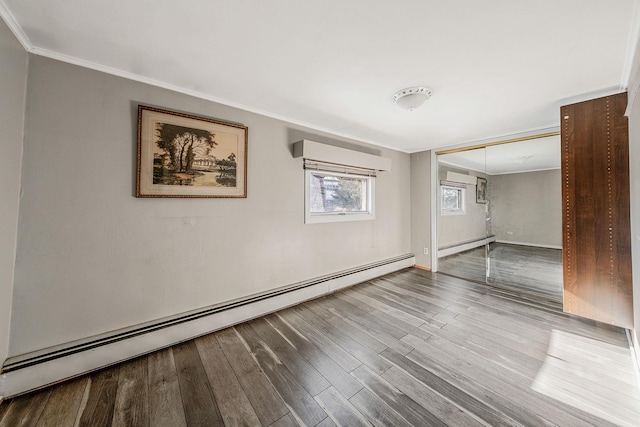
x: 181, y: 155
x: 481, y: 190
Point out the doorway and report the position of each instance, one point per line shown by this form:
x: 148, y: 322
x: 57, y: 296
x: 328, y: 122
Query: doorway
x: 499, y: 215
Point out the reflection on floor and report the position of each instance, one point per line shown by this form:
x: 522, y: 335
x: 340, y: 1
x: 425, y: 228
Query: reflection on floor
x: 523, y: 268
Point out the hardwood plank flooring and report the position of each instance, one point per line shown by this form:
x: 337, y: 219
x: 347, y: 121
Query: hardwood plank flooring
x: 200, y: 407
x: 267, y: 403
x: 97, y: 409
x: 25, y: 410
x: 165, y: 400
x: 233, y: 403
x: 411, y: 348
x: 534, y: 270
x: 63, y: 405
x: 132, y: 399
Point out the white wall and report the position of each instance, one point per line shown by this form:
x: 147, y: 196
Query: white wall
x: 13, y: 69
x: 92, y: 258
x: 421, y: 207
x: 529, y: 206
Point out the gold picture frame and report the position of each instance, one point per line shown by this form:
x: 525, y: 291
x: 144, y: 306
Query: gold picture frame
x: 188, y: 156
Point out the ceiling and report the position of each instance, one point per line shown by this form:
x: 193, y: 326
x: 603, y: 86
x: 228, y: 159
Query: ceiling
x: 496, y: 67
x: 523, y: 156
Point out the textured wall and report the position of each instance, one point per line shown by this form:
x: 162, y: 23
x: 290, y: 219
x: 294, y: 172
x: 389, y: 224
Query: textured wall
x: 13, y: 72
x: 527, y: 207
x: 421, y: 207
x: 91, y: 258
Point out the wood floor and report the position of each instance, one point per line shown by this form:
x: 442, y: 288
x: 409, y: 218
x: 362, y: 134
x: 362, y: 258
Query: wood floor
x: 412, y: 348
x: 522, y: 268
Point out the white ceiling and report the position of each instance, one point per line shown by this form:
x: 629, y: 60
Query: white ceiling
x: 496, y: 67
x: 516, y: 157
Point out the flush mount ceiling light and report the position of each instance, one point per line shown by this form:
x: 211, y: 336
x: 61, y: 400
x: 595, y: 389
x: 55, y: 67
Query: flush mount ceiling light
x: 411, y: 97
x: 521, y: 159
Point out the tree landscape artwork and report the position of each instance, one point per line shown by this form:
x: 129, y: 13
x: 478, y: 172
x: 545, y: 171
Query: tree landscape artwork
x: 182, y: 155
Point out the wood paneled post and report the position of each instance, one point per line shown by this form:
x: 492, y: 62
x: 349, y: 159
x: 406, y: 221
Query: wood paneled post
x: 596, y: 223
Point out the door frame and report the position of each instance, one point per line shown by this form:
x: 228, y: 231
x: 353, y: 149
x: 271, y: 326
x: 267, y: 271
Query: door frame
x: 472, y: 145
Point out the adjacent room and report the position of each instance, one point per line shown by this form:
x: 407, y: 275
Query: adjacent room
x: 500, y: 215
x: 319, y: 213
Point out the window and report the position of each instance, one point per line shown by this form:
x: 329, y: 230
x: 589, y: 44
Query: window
x: 334, y: 196
x: 452, y: 200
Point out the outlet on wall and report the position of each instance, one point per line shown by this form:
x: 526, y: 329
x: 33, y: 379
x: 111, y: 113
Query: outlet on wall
x: 426, y: 251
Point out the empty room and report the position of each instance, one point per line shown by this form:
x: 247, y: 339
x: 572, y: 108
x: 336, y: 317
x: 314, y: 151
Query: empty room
x: 357, y: 213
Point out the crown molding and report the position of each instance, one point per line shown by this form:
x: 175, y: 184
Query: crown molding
x: 631, y: 73
x: 175, y: 88
x: 15, y: 28
x: 632, y: 46
x: 7, y: 16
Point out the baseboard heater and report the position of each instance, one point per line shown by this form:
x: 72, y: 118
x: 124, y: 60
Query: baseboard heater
x: 464, y: 246
x: 533, y: 245
x: 35, y: 370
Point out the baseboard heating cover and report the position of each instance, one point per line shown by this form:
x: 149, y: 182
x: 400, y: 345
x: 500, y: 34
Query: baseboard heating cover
x: 464, y: 246
x: 35, y: 370
x: 533, y: 245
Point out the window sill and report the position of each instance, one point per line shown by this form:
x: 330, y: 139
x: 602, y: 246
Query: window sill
x: 317, y: 219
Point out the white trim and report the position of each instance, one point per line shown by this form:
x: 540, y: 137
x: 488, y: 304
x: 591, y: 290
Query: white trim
x: 632, y: 339
x: 462, y: 191
x: 630, y: 74
x: 632, y: 43
x: 435, y: 201
x: 465, y: 246
x: 15, y: 28
x: 535, y: 245
x: 325, y: 217
x: 632, y: 94
x: 636, y: 345
x: 153, y: 82
x: 179, y: 89
x: 29, y: 47
x: 53, y: 371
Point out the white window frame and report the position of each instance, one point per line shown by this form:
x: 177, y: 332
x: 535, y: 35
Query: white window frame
x: 463, y: 205
x: 324, y: 217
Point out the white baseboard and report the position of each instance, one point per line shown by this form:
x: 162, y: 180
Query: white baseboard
x: 42, y: 369
x: 465, y: 246
x: 535, y: 245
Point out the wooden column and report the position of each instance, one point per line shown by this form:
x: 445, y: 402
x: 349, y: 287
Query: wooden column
x: 596, y: 223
